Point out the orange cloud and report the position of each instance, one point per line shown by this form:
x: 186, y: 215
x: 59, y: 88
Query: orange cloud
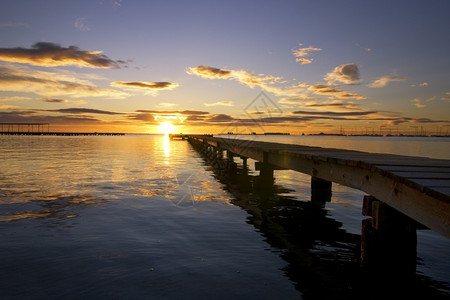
x: 220, y: 103
x: 322, y: 89
x: 50, y: 84
x: 242, y: 76
x: 300, y: 53
x: 210, y: 72
x: 446, y: 97
x: 418, y: 103
x: 384, y: 80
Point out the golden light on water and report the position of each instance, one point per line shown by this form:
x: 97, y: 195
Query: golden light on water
x: 166, y: 149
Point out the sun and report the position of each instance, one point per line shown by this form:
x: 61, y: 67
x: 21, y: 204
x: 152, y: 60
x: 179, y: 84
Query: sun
x: 166, y: 128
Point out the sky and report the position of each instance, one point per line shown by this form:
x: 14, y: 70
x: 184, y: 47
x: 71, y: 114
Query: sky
x: 293, y: 66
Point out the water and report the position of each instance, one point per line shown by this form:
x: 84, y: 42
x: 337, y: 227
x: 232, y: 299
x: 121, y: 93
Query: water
x: 140, y: 217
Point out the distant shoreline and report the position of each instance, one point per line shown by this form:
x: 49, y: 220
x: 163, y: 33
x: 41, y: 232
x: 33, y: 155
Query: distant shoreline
x: 220, y: 134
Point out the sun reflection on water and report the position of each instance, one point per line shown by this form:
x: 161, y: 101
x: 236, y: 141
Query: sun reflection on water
x: 166, y: 148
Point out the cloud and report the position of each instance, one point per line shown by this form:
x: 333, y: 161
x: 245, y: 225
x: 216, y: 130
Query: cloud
x: 52, y: 55
x: 85, y: 111
x: 334, y: 105
x: 220, y: 103
x: 269, y: 83
x: 304, y: 61
x: 384, y: 80
x: 418, y: 103
x: 50, y: 84
x: 30, y: 116
x: 300, y: 53
x: 446, y: 97
x: 14, y: 98
x: 347, y: 74
x: 266, y: 82
x: 167, y: 104
x: 4, y: 106
x: 163, y: 85
x: 328, y: 90
x: 220, y: 118
x: 183, y: 112
x: 420, y: 84
x: 333, y: 113
x: 53, y: 100
x: 297, y: 100
x: 81, y: 24
x: 210, y: 72
x: 152, y: 116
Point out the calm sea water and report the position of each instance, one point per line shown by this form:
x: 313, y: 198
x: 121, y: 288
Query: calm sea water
x: 141, y: 217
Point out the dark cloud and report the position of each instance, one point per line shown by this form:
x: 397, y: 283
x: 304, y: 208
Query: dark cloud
x: 163, y: 85
x: 328, y: 90
x: 333, y: 113
x: 52, y: 55
x: 178, y: 116
x: 220, y: 118
x: 28, y: 116
x: 54, y: 100
x: 148, y: 118
x: 183, y: 112
x: 347, y: 74
x: 194, y: 112
x: 333, y: 105
x: 85, y: 111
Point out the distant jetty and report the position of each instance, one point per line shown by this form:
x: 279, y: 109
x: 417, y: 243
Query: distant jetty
x: 276, y: 133
x: 62, y: 133
x: 42, y: 129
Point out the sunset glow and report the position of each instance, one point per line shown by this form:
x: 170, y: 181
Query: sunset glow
x: 166, y: 128
x: 386, y: 73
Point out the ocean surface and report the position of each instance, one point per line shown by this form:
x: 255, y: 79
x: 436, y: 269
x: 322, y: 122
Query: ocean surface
x: 143, y: 217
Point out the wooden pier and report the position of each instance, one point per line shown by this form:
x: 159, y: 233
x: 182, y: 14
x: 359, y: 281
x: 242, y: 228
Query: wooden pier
x: 405, y: 193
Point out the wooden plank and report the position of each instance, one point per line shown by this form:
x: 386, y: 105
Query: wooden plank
x: 432, y: 182
x: 442, y: 190
x: 417, y: 169
x: 423, y: 175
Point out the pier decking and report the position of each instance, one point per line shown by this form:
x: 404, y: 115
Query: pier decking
x: 417, y: 187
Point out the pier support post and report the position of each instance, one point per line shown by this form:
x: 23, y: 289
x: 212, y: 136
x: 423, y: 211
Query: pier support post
x: 265, y: 174
x: 244, y: 164
x: 388, y: 239
x: 320, y: 190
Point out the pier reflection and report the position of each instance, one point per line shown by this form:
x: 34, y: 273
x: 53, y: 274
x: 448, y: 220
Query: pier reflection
x: 323, y: 259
